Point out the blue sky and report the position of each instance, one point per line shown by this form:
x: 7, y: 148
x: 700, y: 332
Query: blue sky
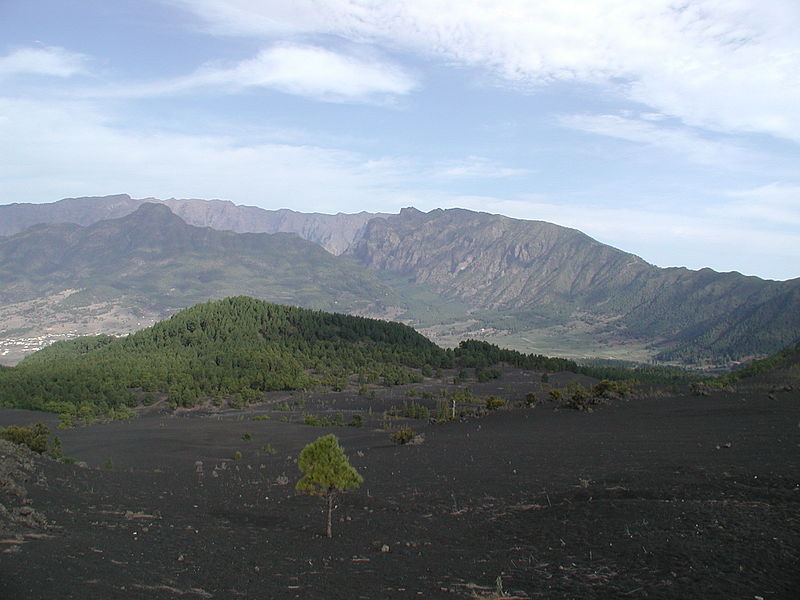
x: 668, y: 129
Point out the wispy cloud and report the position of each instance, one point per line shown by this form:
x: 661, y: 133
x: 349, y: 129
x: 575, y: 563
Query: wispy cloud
x: 650, y: 130
x: 726, y: 66
x: 308, y: 71
x: 777, y: 204
x: 475, y: 167
x: 302, y: 70
x: 51, y: 61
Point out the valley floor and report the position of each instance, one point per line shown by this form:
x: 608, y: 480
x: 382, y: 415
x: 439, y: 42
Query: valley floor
x: 671, y: 497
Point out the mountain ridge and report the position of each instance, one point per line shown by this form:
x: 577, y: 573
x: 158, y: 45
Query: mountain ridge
x: 453, y: 272
x: 335, y: 233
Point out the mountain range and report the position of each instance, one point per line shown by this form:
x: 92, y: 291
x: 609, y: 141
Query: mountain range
x: 115, y: 264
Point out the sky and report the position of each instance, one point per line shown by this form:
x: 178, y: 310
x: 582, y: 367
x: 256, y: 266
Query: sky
x: 666, y: 128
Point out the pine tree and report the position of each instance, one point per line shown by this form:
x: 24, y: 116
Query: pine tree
x: 327, y: 472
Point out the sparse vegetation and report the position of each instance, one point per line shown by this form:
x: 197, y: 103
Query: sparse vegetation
x: 35, y: 437
x: 410, y: 411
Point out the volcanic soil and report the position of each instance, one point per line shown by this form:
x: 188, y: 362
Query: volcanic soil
x: 664, y: 496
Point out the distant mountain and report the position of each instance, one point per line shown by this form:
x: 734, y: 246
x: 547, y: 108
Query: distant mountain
x: 552, y: 274
x: 529, y: 285
x: 151, y: 259
x: 335, y: 233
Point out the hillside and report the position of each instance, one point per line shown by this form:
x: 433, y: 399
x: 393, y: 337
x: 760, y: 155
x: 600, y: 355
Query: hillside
x: 237, y: 347
x: 153, y: 263
x: 529, y: 285
x: 548, y: 274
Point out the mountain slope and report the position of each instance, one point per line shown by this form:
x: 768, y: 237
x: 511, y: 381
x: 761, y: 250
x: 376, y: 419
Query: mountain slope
x: 529, y: 285
x: 155, y: 261
x: 552, y: 273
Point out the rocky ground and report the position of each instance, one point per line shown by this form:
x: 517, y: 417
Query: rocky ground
x: 680, y: 496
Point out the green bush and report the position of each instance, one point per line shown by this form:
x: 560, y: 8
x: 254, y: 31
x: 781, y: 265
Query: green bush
x: 402, y: 436
x: 493, y: 403
x: 611, y: 389
x: 34, y: 437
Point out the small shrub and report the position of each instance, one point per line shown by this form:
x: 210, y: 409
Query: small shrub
x: 247, y: 437
x: 268, y: 449
x: 109, y: 465
x: 486, y: 375
x: 611, y: 389
x: 260, y: 418
x: 402, y: 436
x: 237, y: 455
x: 556, y: 395
x: 531, y: 400
x: 357, y: 421
x: 315, y: 421
x: 493, y: 403
x: 578, y: 397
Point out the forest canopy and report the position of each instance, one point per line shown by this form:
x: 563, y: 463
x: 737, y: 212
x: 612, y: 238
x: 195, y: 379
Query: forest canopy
x: 239, y: 348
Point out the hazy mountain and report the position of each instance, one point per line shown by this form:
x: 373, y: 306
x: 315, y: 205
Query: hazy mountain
x: 529, y: 285
x: 151, y: 259
x: 17, y: 217
x: 335, y: 233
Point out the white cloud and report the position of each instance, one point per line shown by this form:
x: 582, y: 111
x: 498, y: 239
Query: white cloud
x: 681, y: 141
x: 777, y: 204
x: 52, y: 61
x: 475, y: 167
x: 727, y: 65
x: 297, y: 69
x: 309, y: 71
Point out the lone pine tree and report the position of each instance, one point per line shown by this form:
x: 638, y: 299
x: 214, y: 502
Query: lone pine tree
x: 327, y: 472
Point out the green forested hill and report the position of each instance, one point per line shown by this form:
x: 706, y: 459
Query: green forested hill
x: 232, y: 347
